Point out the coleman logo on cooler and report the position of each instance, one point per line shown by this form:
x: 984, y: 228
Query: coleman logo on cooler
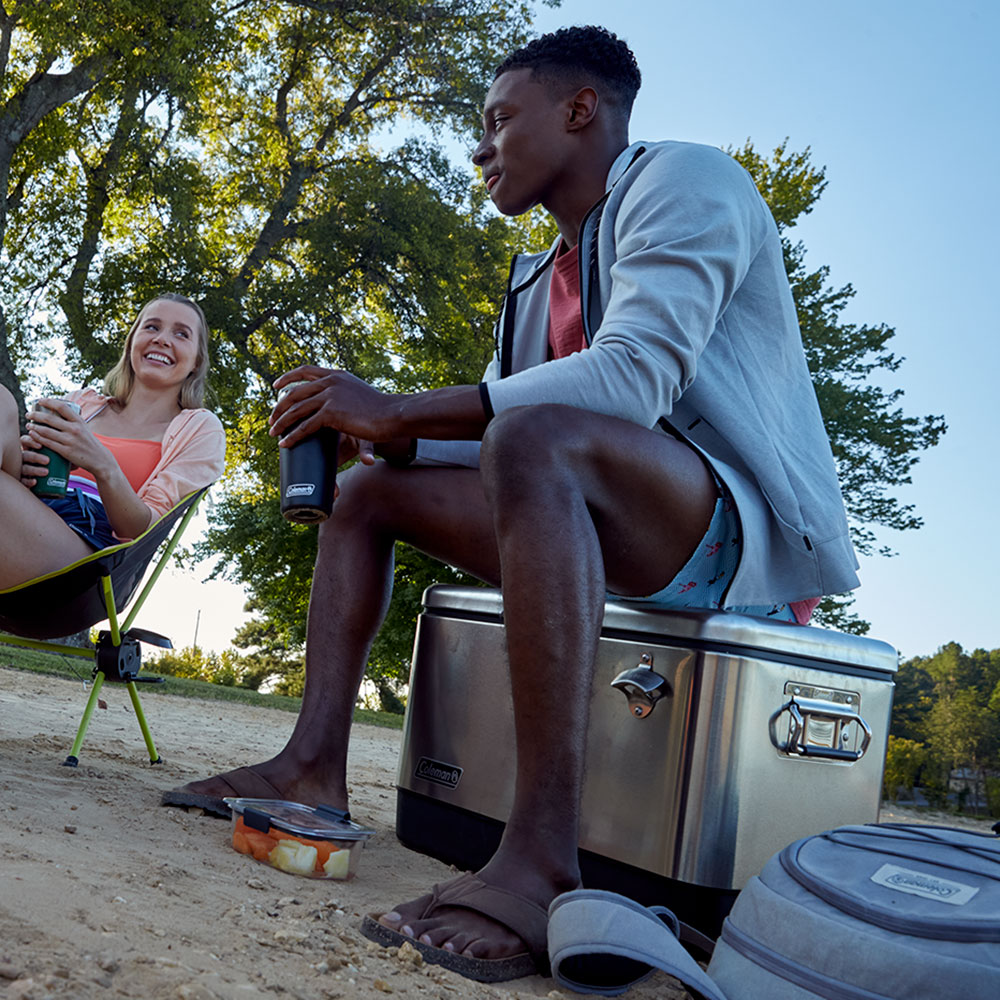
x: 448, y: 775
x: 299, y: 490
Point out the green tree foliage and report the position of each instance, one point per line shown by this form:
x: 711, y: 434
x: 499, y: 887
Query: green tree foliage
x: 904, y: 760
x: 225, y: 668
x: 279, y: 161
x: 947, y: 703
x: 875, y: 445
x: 242, y: 153
x: 912, y: 700
x: 77, y: 80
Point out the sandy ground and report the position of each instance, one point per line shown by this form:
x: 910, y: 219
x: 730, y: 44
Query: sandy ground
x: 104, y: 893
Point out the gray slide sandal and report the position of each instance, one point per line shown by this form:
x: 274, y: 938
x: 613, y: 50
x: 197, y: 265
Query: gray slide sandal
x: 601, y: 942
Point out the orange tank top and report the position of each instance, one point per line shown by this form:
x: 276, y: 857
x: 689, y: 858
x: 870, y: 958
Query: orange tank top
x: 136, y: 458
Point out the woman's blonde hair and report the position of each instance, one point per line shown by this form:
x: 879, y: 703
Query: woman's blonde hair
x: 120, y: 381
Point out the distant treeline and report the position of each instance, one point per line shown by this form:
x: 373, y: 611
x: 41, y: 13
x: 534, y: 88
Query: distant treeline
x: 945, y: 732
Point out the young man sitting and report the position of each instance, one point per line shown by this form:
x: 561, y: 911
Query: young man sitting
x: 648, y: 427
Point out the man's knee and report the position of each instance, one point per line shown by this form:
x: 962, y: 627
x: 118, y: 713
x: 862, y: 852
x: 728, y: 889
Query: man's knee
x: 526, y: 436
x: 376, y: 497
x: 364, y: 492
x: 362, y: 487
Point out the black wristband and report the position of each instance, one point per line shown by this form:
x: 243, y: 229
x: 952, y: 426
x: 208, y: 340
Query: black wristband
x: 484, y: 396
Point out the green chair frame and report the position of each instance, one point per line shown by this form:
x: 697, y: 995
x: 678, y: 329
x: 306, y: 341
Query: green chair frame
x: 95, y: 588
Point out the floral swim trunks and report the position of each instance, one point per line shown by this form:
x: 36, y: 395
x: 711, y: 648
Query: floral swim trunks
x: 703, y: 581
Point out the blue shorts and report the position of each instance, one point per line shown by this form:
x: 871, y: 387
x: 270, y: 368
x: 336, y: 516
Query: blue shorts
x: 703, y: 581
x: 86, y: 516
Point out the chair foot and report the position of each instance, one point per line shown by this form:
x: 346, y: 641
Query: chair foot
x: 70, y: 761
x: 159, y: 760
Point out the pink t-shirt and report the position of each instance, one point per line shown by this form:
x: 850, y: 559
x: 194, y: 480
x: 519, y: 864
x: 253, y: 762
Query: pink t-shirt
x: 803, y: 610
x: 566, y: 334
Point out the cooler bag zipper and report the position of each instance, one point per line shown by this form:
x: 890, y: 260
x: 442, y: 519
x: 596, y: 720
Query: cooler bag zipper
x: 791, y: 971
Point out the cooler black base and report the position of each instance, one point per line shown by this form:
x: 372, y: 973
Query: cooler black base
x: 467, y: 841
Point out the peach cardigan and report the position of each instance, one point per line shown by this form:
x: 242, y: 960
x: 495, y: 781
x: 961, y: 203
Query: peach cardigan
x: 193, y: 453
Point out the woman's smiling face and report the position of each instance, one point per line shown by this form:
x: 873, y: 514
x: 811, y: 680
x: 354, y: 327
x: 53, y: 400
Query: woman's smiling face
x: 165, y: 345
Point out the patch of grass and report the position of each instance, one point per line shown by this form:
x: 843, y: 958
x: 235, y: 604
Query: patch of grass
x: 78, y: 668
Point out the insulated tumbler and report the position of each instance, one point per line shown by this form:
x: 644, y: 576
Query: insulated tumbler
x: 56, y: 481
x: 308, y: 474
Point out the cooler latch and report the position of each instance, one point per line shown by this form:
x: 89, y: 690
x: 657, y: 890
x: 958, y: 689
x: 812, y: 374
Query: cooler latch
x: 642, y: 686
x: 821, y: 723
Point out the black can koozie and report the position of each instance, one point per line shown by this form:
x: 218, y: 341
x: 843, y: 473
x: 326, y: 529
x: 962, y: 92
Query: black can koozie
x: 308, y: 474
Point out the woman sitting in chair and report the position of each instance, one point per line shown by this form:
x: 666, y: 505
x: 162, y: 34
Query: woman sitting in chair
x: 134, y: 451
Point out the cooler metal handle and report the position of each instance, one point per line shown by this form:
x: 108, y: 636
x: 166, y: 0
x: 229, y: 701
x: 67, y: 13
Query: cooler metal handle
x: 803, y: 711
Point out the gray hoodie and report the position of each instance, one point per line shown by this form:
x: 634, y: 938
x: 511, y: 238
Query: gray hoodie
x: 692, y: 327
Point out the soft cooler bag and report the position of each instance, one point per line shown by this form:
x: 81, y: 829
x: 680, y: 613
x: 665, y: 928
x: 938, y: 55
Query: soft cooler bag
x: 880, y: 912
x: 907, y: 912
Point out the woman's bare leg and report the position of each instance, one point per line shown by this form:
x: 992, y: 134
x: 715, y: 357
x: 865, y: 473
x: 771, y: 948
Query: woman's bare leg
x: 34, y: 539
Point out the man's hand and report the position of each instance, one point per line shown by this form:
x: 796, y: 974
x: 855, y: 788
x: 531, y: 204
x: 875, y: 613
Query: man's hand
x: 331, y: 398
x: 365, y: 416
x: 351, y: 447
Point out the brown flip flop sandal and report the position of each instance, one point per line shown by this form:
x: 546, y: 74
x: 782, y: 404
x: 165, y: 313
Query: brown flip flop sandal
x: 244, y: 783
x: 524, y: 917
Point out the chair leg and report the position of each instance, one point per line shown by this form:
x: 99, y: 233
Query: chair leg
x: 154, y: 757
x: 73, y: 759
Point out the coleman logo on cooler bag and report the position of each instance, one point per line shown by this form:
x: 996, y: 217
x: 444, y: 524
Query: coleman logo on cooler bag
x: 922, y: 884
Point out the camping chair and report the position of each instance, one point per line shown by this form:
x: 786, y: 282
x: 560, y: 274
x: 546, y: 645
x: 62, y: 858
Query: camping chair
x: 96, y: 587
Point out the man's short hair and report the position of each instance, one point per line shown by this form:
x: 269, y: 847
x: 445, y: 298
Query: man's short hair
x: 582, y: 52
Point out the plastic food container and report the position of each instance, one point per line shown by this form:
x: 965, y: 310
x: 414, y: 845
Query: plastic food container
x: 313, y: 841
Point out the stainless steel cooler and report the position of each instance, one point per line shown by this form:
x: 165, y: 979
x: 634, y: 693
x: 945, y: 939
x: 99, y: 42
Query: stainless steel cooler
x: 715, y: 739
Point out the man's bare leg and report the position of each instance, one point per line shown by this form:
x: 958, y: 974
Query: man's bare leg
x: 442, y: 512
x: 580, y: 502
x: 573, y: 502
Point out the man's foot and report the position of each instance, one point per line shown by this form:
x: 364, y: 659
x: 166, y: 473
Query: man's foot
x: 268, y: 780
x: 481, y: 931
x: 490, y: 926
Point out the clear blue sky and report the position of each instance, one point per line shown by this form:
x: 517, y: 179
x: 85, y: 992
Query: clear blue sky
x: 898, y: 100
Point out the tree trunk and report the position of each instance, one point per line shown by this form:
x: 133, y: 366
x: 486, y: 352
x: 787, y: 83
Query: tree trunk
x: 8, y: 376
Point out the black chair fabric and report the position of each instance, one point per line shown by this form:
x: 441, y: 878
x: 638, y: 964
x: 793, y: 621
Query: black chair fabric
x: 72, y: 599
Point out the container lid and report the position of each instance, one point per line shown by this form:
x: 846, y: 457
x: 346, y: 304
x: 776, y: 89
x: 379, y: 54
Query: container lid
x: 316, y: 822
x: 691, y: 627
x: 926, y: 881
